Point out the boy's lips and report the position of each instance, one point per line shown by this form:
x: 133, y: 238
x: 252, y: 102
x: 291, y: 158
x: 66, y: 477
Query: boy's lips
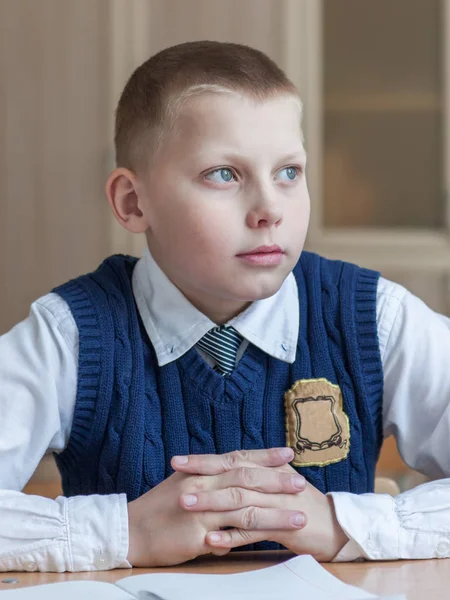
x: 263, y: 256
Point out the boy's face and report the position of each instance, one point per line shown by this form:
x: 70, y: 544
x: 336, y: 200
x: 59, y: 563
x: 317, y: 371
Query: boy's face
x: 229, y: 181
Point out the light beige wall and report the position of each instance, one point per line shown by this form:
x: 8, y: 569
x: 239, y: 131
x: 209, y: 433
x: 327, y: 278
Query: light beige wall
x: 256, y: 23
x: 54, y: 221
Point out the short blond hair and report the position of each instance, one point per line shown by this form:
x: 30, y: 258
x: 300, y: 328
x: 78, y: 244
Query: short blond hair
x: 155, y: 91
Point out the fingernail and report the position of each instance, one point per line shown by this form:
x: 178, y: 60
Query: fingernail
x: 298, y: 481
x: 215, y: 537
x: 190, y: 499
x: 286, y: 452
x: 180, y: 460
x: 297, y: 519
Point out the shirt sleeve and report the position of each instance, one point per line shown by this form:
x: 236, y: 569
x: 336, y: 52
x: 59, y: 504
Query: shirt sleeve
x: 414, y: 344
x: 414, y: 524
x: 38, y: 382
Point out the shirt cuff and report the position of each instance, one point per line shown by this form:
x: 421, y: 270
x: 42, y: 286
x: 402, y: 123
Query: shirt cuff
x: 82, y: 533
x: 98, y: 532
x: 370, y: 522
x: 413, y: 525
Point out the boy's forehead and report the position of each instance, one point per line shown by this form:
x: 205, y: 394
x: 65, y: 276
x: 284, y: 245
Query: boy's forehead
x: 235, y: 119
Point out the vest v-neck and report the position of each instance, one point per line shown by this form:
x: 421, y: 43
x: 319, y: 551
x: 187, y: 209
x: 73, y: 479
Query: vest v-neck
x: 249, y: 368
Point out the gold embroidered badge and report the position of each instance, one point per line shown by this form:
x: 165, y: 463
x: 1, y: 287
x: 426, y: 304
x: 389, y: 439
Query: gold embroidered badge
x: 316, y: 425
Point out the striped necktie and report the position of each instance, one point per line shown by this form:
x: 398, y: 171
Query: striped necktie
x: 222, y: 344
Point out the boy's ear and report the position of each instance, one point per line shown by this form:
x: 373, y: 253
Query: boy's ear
x: 122, y: 194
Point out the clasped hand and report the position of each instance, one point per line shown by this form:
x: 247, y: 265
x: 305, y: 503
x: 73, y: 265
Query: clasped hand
x: 255, y: 494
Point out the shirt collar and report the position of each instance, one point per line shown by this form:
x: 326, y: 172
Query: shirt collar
x: 174, y: 325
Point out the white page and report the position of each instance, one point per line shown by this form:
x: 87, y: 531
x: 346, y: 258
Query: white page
x: 68, y: 590
x: 300, y: 577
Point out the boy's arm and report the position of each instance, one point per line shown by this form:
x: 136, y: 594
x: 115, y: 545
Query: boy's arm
x: 38, y: 373
x: 415, y: 350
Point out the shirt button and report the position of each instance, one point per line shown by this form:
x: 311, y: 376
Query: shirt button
x: 443, y: 548
x: 101, y: 561
x: 370, y: 545
x: 30, y: 566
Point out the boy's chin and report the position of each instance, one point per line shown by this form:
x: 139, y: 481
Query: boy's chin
x: 272, y: 282
x: 263, y: 291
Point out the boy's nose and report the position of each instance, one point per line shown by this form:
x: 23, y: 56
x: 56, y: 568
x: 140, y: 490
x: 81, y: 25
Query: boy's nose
x: 264, y: 216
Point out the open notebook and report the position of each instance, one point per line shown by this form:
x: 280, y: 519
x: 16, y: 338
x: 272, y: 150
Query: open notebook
x: 301, y: 577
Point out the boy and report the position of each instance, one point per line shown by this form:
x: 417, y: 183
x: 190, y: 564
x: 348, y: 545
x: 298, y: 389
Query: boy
x: 176, y: 390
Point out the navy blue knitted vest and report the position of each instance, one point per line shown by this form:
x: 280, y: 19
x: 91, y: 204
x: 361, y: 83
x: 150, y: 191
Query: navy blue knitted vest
x: 132, y: 416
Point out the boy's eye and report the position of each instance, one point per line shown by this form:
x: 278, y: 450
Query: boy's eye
x: 220, y: 175
x: 288, y: 173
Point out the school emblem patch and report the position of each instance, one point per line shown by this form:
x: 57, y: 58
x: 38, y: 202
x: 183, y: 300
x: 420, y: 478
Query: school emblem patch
x: 317, y: 427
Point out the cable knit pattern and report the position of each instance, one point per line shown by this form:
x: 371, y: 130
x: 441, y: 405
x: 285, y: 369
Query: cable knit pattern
x: 132, y: 416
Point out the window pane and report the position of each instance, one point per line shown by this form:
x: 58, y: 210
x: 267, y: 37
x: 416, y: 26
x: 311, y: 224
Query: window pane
x: 383, y: 114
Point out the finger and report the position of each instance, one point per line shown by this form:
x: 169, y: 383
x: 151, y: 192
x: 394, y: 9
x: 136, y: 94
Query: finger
x: 253, y: 518
x: 219, y: 551
x: 212, y: 464
x: 226, y: 500
x: 233, y: 538
x: 260, y: 479
x: 234, y: 497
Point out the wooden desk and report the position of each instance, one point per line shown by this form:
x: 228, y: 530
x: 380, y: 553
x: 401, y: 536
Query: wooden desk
x: 419, y: 579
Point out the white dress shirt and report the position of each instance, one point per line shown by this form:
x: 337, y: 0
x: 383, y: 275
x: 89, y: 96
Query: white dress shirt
x: 38, y: 382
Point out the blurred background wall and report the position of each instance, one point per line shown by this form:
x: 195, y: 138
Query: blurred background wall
x: 374, y: 80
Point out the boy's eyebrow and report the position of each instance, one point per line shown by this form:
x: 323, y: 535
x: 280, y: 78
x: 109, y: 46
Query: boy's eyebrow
x: 292, y: 156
